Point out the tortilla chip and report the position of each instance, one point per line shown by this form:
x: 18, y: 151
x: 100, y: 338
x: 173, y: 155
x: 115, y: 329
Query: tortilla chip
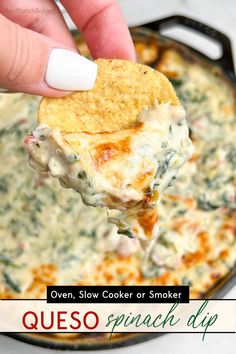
x: 122, y: 90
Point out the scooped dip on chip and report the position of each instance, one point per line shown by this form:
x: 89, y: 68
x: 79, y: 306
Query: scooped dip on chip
x: 119, y: 145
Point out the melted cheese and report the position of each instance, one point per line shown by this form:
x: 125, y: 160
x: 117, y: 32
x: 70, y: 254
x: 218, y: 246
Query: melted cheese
x: 48, y: 236
x: 125, y: 170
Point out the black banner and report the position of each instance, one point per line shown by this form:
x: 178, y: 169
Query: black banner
x: 117, y: 294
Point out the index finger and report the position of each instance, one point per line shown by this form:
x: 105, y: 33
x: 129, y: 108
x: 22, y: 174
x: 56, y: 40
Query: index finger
x: 104, y: 27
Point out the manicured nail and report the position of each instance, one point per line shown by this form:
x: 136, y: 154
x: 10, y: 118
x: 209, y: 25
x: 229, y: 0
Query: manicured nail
x: 3, y: 90
x: 70, y: 71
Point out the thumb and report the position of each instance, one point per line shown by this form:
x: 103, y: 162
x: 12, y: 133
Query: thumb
x: 33, y: 63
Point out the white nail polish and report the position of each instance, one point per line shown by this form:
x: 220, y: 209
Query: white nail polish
x: 3, y: 90
x: 70, y: 71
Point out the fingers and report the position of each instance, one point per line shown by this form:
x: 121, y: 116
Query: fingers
x: 40, y: 16
x: 34, y: 63
x: 46, y: 63
x: 103, y: 26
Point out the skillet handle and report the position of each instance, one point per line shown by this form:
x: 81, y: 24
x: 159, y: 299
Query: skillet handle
x: 225, y: 61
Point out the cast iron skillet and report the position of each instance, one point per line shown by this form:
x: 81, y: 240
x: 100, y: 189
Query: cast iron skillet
x: 225, y: 62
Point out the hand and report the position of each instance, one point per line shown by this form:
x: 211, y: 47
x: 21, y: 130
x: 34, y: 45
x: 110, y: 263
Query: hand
x: 38, y: 54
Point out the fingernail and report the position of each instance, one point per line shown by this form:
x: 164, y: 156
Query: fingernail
x: 70, y: 71
x: 3, y: 90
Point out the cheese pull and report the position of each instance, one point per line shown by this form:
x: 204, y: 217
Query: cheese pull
x: 119, y: 145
